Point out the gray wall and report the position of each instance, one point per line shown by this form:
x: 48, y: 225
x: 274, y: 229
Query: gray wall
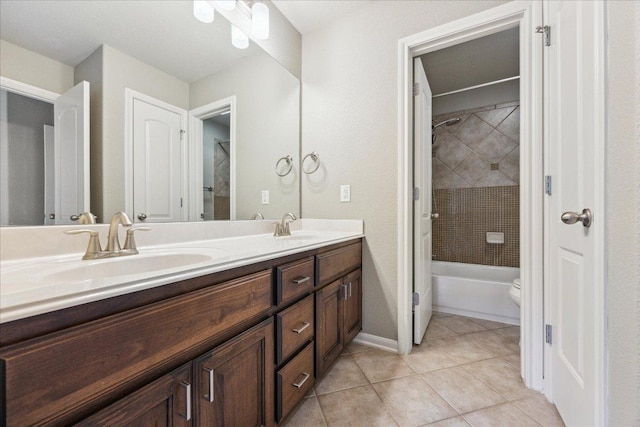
x: 26, y: 118
x: 623, y: 205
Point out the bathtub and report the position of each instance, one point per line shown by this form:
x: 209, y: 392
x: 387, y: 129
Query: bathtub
x: 474, y: 290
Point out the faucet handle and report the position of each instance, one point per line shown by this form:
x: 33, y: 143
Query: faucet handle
x: 130, y: 242
x: 94, y: 248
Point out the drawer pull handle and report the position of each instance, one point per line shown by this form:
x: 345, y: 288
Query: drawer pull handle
x: 305, y: 325
x: 301, y: 279
x: 345, y: 295
x: 209, y: 396
x: 304, y: 380
x: 187, y: 389
x: 349, y: 285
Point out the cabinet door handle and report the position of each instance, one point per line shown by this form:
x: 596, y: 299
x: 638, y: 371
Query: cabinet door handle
x: 187, y: 389
x: 209, y: 396
x: 344, y: 292
x: 349, y: 285
x: 305, y: 325
x: 304, y: 380
x: 300, y: 279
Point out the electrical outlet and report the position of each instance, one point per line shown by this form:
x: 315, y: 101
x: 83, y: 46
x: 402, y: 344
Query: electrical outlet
x: 265, y: 197
x: 345, y: 193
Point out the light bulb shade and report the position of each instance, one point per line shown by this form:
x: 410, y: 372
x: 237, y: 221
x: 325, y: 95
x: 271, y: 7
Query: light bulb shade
x: 203, y: 11
x: 238, y: 38
x: 226, y: 4
x: 260, y: 21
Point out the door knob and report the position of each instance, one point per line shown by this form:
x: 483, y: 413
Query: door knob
x: 435, y: 215
x: 142, y: 216
x: 572, y: 217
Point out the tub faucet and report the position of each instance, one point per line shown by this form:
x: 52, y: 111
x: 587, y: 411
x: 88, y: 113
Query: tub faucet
x: 282, y: 229
x: 113, y: 243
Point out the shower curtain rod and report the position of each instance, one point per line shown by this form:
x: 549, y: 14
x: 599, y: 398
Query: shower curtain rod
x: 508, y: 79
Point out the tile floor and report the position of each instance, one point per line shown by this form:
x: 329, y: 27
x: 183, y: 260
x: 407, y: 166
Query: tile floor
x: 466, y: 372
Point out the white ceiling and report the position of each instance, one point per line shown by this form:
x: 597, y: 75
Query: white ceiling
x: 310, y: 15
x: 163, y: 34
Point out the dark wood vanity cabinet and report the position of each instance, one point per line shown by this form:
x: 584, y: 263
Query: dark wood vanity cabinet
x: 239, y: 347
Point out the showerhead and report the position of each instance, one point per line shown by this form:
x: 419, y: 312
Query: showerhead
x: 450, y: 122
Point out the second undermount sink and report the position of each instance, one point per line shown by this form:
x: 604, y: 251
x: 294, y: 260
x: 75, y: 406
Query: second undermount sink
x: 124, y: 266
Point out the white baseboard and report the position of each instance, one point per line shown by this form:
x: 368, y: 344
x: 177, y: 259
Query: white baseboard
x: 377, y: 342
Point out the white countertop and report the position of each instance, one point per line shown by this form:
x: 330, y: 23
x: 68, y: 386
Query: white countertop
x: 44, y: 282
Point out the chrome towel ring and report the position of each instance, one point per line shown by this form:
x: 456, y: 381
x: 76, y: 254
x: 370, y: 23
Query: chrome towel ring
x: 289, y: 161
x: 315, y: 157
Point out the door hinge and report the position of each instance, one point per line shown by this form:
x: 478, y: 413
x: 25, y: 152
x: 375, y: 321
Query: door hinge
x: 547, y: 184
x: 416, y: 298
x: 182, y: 132
x: 416, y: 89
x: 548, y: 334
x: 416, y: 193
x: 546, y: 30
x: 180, y: 201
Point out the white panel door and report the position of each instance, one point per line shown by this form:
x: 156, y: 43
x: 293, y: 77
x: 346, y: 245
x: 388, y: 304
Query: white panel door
x: 575, y: 140
x: 157, y: 163
x: 71, y: 153
x: 422, y: 207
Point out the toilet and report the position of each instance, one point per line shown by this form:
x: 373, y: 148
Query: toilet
x: 514, y: 291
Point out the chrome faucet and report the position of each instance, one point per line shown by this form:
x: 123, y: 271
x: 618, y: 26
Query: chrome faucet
x: 282, y: 229
x: 118, y: 218
x: 257, y: 216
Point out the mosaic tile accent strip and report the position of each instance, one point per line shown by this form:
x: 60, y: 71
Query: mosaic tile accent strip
x: 466, y: 215
x: 464, y: 155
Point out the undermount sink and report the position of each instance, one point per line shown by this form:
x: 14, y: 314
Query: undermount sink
x: 124, y: 266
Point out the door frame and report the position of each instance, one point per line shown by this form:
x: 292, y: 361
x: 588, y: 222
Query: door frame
x: 526, y: 14
x: 195, y: 149
x: 130, y: 96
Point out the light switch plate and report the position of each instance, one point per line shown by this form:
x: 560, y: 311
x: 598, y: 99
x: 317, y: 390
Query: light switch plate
x: 345, y: 193
x: 265, y: 197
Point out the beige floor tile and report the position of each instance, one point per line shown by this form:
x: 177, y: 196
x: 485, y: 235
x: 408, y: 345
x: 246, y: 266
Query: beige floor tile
x: 513, y: 360
x: 412, y: 402
x: 540, y: 410
x: 311, y: 392
x: 505, y: 415
x: 344, y: 374
x: 441, y: 314
x: 461, y: 389
x: 437, y: 329
x: 490, y: 324
x: 502, y: 377
x: 495, y: 344
x: 354, y: 347
x: 358, y: 406
x: 460, y: 349
x: 450, y: 422
x: 511, y: 332
x: 307, y: 414
x: 378, y: 365
x: 462, y: 325
x: 424, y: 359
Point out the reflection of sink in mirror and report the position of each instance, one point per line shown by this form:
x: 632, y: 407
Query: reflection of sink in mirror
x: 116, y: 267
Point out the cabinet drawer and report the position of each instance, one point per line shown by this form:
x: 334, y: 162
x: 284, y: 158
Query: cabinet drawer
x: 295, y: 326
x: 67, y: 370
x: 333, y: 264
x: 294, y: 279
x: 294, y: 381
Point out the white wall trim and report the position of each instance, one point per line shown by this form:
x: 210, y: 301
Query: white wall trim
x: 195, y: 143
x: 28, y: 90
x: 375, y: 341
x: 526, y: 14
x: 129, y: 96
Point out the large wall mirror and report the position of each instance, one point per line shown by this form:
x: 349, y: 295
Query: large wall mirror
x: 180, y: 125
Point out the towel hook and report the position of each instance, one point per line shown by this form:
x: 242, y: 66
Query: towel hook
x: 315, y: 157
x: 289, y: 161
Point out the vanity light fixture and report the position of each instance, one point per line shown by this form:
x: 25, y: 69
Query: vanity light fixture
x: 203, y: 11
x: 260, y: 21
x: 238, y: 38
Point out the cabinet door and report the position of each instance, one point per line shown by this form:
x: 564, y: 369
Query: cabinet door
x: 164, y: 402
x: 352, y: 305
x: 329, y: 333
x: 234, y: 382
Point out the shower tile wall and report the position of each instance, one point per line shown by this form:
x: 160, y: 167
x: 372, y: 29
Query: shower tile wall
x: 475, y: 180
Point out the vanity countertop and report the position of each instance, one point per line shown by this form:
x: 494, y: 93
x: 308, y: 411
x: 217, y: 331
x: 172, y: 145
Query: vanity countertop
x: 44, y: 283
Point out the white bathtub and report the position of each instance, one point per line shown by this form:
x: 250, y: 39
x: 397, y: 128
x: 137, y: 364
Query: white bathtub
x: 475, y: 290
